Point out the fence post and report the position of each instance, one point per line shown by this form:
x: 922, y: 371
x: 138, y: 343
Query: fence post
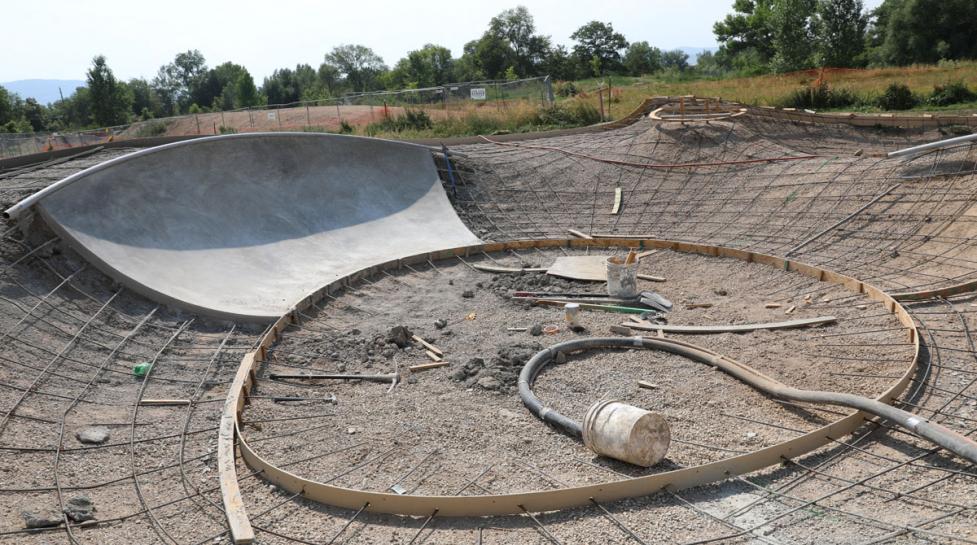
x: 251, y: 116
x: 197, y: 119
x: 548, y: 84
x: 223, y: 124
x: 609, y: 87
x: 600, y: 97
x: 308, y: 118
x: 278, y: 114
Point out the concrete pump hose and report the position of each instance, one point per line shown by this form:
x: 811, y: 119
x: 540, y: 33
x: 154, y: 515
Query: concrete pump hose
x: 940, y: 435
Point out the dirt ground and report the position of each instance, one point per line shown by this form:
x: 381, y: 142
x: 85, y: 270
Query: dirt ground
x: 71, y: 338
x: 446, y: 425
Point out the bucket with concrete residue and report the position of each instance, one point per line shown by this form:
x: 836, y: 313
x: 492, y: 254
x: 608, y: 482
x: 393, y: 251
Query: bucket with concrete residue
x: 622, y: 278
x: 626, y: 433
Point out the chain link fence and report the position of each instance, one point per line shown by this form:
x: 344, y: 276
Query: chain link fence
x: 333, y: 115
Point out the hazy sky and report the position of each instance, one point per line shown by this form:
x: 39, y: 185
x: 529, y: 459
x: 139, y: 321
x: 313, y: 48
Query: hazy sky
x: 48, y: 39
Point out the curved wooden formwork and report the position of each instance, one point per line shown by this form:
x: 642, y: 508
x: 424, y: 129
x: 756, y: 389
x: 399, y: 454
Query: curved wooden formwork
x: 536, y: 501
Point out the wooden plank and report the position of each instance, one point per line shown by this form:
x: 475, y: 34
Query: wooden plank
x: 617, y: 201
x: 426, y: 366
x: 579, y: 234
x: 237, y: 516
x: 437, y: 351
x: 163, y: 402
x: 498, y: 269
x: 740, y: 328
x: 432, y: 355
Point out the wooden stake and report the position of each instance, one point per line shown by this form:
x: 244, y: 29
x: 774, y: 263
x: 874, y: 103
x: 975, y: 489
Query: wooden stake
x: 427, y: 345
x: 426, y: 366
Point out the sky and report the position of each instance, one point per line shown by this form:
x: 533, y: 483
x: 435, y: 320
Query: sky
x: 58, y: 38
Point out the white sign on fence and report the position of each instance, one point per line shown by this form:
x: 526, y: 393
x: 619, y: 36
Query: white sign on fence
x: 271, y: 115
x: 478, y: 93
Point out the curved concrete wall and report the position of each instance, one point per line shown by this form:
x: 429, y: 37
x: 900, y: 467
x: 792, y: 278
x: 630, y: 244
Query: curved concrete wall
x: 243, y: 226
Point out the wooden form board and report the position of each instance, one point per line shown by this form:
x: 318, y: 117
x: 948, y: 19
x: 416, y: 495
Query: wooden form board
x: 738, y: 328
x: 550, y: 500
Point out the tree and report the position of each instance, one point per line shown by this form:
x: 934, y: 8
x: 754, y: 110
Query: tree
x: 146, y: 103
x: 35, y: 114
x: 560, y: 64
x: 792, y: 35
x: 599, y: 45
x: 487, y: 57
x: 281, y: 87
x: 641, y: 58
x: 746, y: 35
x: 173, y: 81
x: 8, y: 106
x: 516, y: 26
x: 923, y: 31
x: 110, y: 99
x: 840, y: 32
x: 358, y: 64
x: 675, y: 59
x: 426, y: 67
x: 226, y: 87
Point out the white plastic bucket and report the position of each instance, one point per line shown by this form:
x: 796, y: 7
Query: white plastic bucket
x: 625, y: 432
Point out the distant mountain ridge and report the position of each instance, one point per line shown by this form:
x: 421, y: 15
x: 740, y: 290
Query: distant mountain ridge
x: 44, y: 91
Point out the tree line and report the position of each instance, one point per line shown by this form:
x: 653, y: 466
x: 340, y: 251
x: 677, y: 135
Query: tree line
x: 759, y: 36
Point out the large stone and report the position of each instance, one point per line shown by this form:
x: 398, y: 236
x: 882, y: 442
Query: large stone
x: 95, y: 435
x: 399, y: 335
x: 41, y: 519
x: 489, y: 382
x: 80, y: 509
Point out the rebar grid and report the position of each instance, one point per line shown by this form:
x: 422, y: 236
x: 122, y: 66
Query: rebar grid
x: 914, y: 237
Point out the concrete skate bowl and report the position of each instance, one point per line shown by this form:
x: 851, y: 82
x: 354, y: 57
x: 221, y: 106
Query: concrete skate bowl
x: 243, y: 226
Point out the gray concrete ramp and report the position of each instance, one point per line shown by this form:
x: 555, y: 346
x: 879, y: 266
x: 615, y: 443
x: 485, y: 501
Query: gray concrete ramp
x: 243, y: 226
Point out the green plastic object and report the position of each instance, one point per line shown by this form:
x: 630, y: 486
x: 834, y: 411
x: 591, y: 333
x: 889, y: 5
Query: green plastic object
x: 140, y: 369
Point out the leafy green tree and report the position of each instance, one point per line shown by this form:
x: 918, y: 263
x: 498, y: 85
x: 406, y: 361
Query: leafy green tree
x: 923, y: 31
x: 529, y: 50
x: 641, y: 58
x: 426, y: 67
x: 8, y: 106
x: 707, y: 65
x: 793, y: 39
x: 146, y: 103
x: 234, y: 87
x: 281, y: 87
x: 245, y: 92
x: 840, y: 33
x: 111, y: 100
x: 599, y: 45
x: 489, y: 57
x: 173, y: 81
x: 358, y: 64
x: 330, y: 80
x: 36, y: 114
x: 560, y: 64
x: 675, y: 59
x: 746, y: 36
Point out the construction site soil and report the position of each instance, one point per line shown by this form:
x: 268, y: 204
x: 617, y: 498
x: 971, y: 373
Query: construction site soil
x: 827, y: 196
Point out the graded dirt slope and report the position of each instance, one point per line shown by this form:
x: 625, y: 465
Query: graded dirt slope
x: 243, y: 226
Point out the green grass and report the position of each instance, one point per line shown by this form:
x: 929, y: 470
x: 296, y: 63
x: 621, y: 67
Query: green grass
x: 862, y: 86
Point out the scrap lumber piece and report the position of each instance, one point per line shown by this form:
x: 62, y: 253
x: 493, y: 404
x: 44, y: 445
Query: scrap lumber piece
x: 730, y: 328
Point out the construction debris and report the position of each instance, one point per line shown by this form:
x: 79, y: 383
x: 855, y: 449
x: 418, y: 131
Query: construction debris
x: 426, y: 366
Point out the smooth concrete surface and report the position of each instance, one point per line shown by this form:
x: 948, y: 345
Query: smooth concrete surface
x: 243, y: 226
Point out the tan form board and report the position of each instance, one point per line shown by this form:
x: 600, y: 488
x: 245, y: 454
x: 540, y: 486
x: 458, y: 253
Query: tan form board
x: 738, y: 328
x: 589, y: 268
x: 550, y: 500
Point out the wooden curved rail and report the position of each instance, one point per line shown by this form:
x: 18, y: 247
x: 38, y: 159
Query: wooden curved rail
x: 739, y: 328
x: 545, y: 500
x: 922, y: 295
